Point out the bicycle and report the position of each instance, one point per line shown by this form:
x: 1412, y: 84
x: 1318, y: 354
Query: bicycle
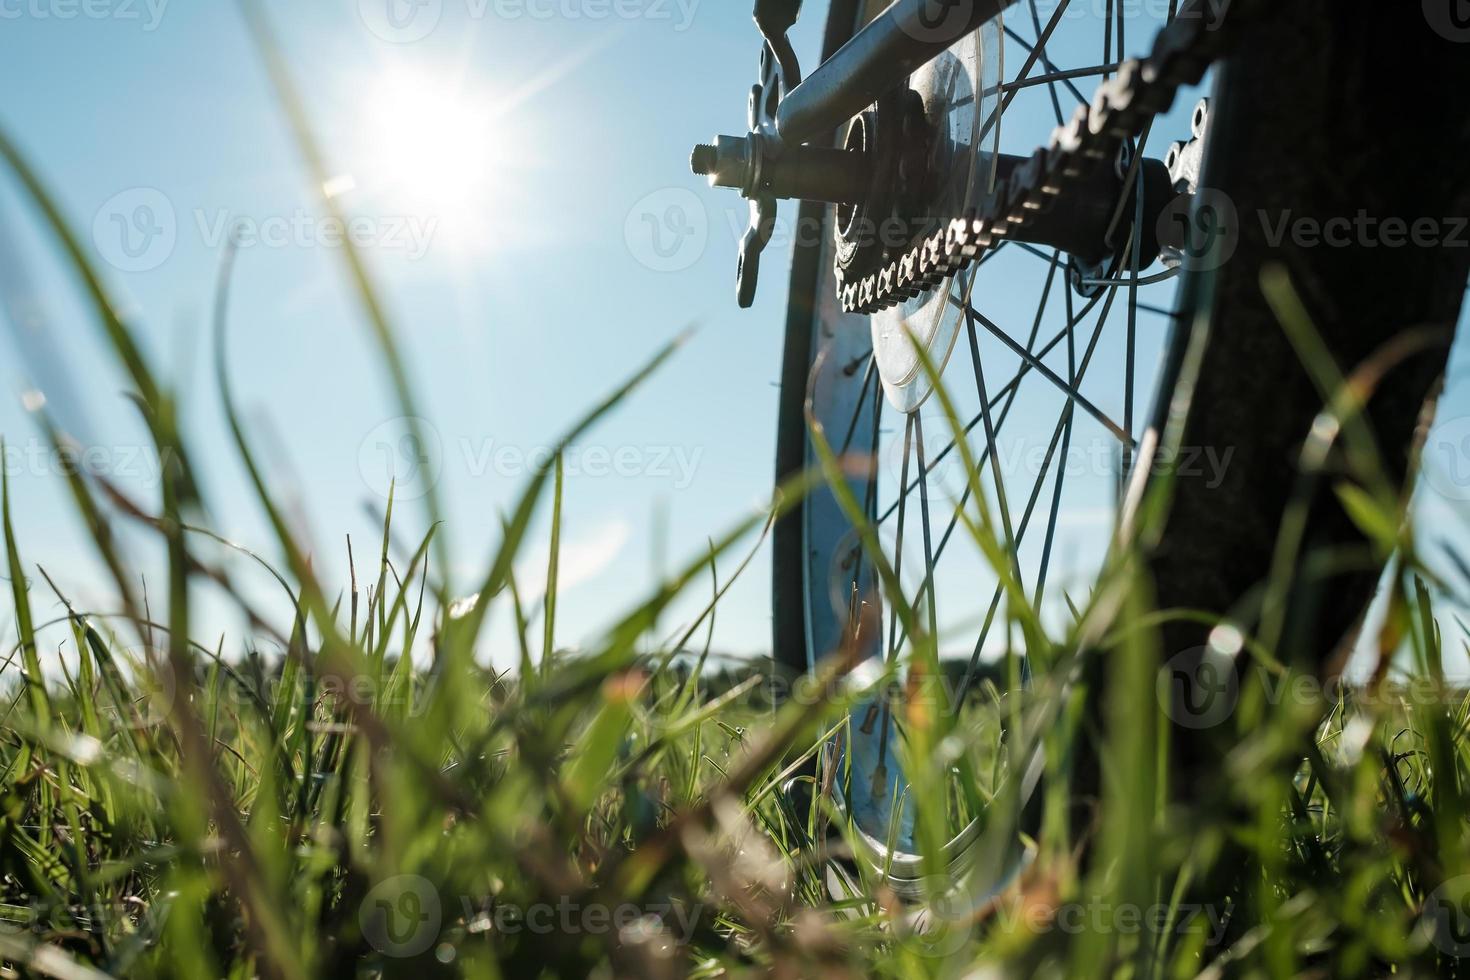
x: 896, y: 147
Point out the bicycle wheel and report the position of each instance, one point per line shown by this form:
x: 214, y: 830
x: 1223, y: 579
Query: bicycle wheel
x: 1049, y: 359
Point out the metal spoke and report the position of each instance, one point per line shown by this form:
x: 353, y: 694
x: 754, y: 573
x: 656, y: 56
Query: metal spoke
x: 1076, y: 92
x: 1031, y: 59
x: 1026, y: 518
x: 1050, y: 375
x: 1052, y: 77
x: 870, y: 502
x: 857, y: 410
x: 908, y: 438
x: 1152, y: 280
x: 1000, y: 423
x: 1130, y: 355
x: 1076, y: 372
x: 1022, y: 505
x: 928, y: 539
x: 1064, y: 426
x: 1037, y: 354
x: 1056, y: 497
x: 880, y: 775
x: 1027, y: 247
x: 870, y: 492
x: 1009, y: 390
x: 1160, y: 311
x: 1122, y: 47
x: 1000, y: 486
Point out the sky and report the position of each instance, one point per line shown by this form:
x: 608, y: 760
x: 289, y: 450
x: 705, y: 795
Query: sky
x: 526, y: 305
x: 530, y: 262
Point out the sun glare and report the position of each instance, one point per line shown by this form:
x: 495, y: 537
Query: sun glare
x: 431, y: 150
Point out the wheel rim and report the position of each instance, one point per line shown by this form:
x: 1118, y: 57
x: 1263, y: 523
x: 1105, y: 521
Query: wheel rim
x: 1032, y: 379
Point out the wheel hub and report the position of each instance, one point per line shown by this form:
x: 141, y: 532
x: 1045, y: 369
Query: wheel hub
x: 921, y: 160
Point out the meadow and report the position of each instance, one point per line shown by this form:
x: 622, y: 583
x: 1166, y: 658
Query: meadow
x: 173, y: 807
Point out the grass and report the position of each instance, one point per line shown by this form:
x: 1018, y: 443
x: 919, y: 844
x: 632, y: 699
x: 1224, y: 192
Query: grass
x: 195, y: 811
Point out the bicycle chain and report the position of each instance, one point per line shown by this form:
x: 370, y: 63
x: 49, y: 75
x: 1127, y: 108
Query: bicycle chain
x: 1120, y: 110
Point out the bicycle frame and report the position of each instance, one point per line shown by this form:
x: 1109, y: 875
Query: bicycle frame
x: 908, y: 34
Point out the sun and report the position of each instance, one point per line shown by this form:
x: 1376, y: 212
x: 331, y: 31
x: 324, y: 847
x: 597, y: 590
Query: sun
x: 430, y: 149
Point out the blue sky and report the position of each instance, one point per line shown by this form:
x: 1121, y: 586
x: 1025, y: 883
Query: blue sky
x: 523, y: 265
x: 527, y: 306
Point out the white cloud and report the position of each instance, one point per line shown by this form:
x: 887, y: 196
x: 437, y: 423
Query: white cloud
x: 582, y: 559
